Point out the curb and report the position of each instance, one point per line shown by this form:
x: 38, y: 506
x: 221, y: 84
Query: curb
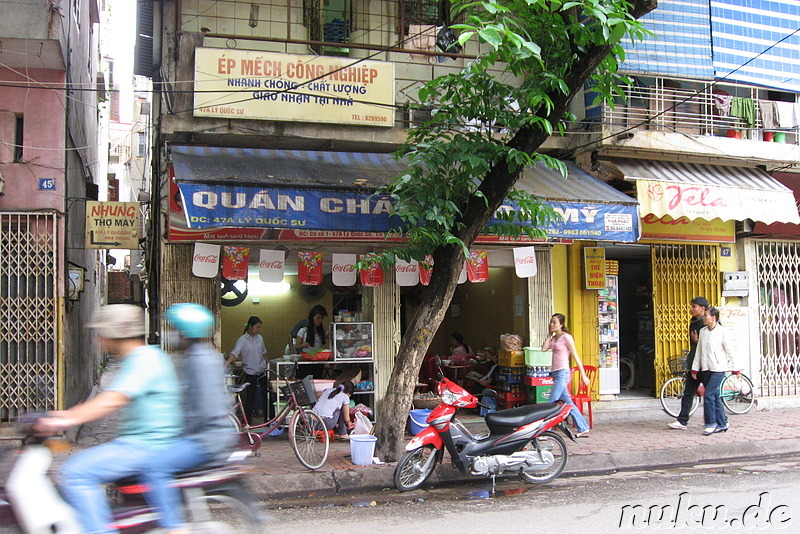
x: 377, y: 478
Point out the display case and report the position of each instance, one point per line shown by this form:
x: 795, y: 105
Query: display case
x: 608, y: 317
x: 352, y: 341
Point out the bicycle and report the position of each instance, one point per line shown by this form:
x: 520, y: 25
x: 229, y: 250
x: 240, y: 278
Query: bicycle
x: 736, y: 390
x: 307, y: 433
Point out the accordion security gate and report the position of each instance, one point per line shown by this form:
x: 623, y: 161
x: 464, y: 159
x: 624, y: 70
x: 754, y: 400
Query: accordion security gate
x: 778, y: 283
x: 28, y: 331
x: 680, y: 273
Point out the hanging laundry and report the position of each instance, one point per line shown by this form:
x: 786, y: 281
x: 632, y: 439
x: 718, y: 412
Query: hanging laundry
x: 788, y: 114
x: 723, y: 103
x: 744, y: 108
x: 422, y: 37
x: 767, y: 108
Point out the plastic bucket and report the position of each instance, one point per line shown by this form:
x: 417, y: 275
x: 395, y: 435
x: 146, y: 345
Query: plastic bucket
x: 362, y: 448
x: 418, y: 420
x: 780, y: 137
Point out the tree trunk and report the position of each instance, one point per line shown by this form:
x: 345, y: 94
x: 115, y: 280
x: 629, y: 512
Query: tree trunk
x: 393, y: 409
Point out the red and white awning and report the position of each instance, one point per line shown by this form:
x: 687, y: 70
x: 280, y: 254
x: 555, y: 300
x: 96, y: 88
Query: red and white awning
x: 699, y: 191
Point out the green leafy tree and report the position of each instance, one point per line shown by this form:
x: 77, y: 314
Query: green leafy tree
x: 487, y: 123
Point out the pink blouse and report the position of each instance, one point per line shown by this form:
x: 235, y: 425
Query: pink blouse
x: 560, y: 348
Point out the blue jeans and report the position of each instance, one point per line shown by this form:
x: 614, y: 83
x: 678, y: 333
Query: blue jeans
x: 84, y: 473
x: 560, y: 392
x: 159, y: 474
x: 713, y: 410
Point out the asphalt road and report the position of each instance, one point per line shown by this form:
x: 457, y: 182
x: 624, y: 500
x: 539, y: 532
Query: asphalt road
x: 757, y: 495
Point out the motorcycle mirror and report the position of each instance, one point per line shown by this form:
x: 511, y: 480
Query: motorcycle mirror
x: 489, y: 393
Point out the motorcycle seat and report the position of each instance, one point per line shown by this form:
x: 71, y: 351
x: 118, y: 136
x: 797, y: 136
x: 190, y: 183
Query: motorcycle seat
x: 516, y: 417
x: 202, y: 475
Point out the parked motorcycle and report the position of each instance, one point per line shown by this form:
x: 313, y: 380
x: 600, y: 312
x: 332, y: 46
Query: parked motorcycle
x: 30, y: 501
x: 521, y: 440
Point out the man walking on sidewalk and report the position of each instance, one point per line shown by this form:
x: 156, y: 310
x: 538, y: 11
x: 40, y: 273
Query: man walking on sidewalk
x: 699, y: 305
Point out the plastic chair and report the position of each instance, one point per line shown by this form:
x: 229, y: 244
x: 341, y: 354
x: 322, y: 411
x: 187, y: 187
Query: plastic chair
x: 584, y: 392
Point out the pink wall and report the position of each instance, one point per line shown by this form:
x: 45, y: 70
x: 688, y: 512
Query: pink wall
x: 43, y: 116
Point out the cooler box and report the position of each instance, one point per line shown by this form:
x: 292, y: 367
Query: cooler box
x: 539, y: 381
x: 511, y: 358
x: 537, y: 357
x: 538, y: 394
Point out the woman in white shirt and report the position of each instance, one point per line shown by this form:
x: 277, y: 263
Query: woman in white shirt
x: 713, y: 358
x: 333, y: 406
x: 251, y: 351
x: 313, y: 335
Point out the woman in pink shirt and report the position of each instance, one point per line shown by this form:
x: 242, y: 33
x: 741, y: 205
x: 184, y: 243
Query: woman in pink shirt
x: 563, y: 346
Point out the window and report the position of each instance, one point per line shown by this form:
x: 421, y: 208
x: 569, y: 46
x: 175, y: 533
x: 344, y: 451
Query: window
x: 429, y: 12
x: 18, y: 139
x: 141, y: 148
x: 329, y: 21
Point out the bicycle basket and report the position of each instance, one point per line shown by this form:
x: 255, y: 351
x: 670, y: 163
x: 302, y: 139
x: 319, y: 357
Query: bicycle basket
x: 303, y: 391
x: 677, y: 364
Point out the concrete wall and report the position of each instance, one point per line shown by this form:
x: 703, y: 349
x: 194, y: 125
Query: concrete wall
x: 42, y: 111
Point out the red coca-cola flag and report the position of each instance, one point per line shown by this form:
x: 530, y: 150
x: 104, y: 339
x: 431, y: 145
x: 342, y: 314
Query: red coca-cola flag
x: 426, y: 270
x: 373, y: 275
x: 270, y: 266
x: 406, y: 273
x: 343, y: 269
x: 309, y: 268
x: 205, y: 260
x: 234, y: 262
x: 478, y: 266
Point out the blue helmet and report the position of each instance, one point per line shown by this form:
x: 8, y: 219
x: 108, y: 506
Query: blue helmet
x: 192, y: 321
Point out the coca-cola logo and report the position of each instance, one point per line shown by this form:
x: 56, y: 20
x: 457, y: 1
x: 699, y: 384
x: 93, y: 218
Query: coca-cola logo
x: 525, y: 259
x: 199, y: 258
x: 410, y: 268
x: 343, y: 268
x: 271, y: 264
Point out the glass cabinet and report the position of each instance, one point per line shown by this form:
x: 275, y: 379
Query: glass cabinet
x: 352, y: 341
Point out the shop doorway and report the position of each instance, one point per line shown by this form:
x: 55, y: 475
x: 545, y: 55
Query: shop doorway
x: 636, y: 326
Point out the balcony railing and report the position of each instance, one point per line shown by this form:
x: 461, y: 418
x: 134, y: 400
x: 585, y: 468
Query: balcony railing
x: 708, y: 111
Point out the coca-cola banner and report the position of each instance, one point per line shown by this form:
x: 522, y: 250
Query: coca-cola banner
x: 344, y: 269
x: 477, y: 266
x: 234, y: 262
x: 373, y: 275
x: 205, y: 260
x: 270, y: 265
x: 406, y: 273
x: 426, y: 270
x: 309, y: 268
x: 525, y: 262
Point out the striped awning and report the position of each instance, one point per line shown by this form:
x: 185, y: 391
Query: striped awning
x: 700, y: 191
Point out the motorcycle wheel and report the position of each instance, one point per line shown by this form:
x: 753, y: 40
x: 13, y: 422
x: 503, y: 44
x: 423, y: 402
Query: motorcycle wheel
x: 552, y: 447
x: 415, y: 467
x: 225, y: 510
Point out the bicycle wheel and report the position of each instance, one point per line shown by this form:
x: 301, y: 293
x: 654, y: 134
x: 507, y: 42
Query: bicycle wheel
x: 736, y: 392
x: 309, y: 438
x: 549, y: 452
x: 225, y: 510
x: 234, y: 423
x: 672, y: 396
x: 627, y: 373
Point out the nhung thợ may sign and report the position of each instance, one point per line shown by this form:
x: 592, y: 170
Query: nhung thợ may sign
x: 113, y: 224
x: 251, y: 84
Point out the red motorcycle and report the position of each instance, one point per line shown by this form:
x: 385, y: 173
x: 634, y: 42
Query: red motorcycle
x: 521, y: 440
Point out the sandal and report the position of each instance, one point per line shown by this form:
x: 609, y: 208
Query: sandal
x: 343, y: 437
x: 584, y: 434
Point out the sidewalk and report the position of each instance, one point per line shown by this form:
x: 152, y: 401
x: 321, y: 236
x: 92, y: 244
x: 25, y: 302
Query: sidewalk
x: 611, y: 447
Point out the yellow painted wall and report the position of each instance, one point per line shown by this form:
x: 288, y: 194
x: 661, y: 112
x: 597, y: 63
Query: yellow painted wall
x: 279, y: 313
